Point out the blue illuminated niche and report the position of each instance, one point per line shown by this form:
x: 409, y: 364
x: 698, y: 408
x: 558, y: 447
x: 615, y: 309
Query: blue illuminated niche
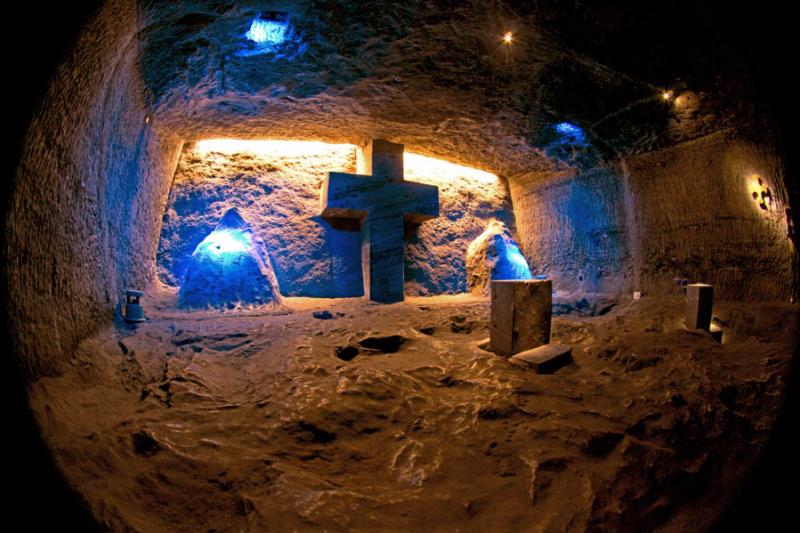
x: 271, y: 33
x: 267, y: 31
x: 224, y: 244
x: 230, y: 266
x: 570, y: 133
x: 511, y: 264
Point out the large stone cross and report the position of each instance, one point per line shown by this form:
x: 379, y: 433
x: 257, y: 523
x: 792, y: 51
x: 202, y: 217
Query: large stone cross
x: 382, y: 201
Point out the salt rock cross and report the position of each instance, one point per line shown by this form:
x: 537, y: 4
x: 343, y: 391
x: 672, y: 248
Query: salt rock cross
x: 382, y: 201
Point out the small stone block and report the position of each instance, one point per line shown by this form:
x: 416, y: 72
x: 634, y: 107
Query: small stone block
x: 520, y: 315
x: 699, y: 304
x: 716, y: 332
x: 544, y: 359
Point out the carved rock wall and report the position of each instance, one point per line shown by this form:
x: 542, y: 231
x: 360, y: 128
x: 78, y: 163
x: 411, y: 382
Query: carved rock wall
x: 278, y: 192
x: 572, y: 228
x: 694, y: 218
x: 89, y: 193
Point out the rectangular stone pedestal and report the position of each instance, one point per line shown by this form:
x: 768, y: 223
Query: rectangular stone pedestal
x: 544, y: 359
x: 699, y: 303
x: 520, y: 316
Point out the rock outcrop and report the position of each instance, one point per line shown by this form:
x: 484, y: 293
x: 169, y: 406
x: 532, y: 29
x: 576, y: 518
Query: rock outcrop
x: 494, y: 255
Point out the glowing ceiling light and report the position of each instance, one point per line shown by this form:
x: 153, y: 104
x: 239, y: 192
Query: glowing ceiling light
x: 267, y: 31
x: 508, y: 37
x: 565, y: 128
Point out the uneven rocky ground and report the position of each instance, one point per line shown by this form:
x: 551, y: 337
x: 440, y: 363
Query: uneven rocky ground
x: 297, y: 418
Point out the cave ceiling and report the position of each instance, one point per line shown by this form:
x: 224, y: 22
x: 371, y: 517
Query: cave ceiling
x: 433, y: 75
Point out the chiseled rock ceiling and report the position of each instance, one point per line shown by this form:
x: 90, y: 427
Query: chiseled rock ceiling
x: 434, y: 75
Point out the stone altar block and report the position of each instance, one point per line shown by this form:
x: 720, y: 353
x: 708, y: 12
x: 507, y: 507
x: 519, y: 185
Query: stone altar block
x: 383, y: 202
x: 699, y: 304
x: 520, y: 315
x: 544, y: 359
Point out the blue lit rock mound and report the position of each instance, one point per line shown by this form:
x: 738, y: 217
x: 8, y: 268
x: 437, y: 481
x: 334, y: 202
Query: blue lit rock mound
x: 494, y: 255
x: 229, y: 267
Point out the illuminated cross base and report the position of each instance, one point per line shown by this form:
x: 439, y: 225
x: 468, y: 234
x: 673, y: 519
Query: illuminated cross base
x: 383, y: 202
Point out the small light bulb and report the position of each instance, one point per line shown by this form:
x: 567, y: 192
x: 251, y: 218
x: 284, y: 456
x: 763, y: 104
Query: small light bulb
x: 667, y: 95
x: 508, y: 37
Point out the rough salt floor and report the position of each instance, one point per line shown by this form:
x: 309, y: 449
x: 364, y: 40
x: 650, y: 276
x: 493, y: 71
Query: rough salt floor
x: 247, y: 419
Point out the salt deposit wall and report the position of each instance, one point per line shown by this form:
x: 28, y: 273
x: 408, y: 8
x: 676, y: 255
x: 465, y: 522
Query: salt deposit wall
x: 93, y: 181
x: 276, y: 188
x: 572, y: 227
x: 645, y: 222
x: 89, y: 193
x: 694, y: 217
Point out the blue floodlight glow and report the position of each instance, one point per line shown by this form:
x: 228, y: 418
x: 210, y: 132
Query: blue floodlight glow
x: 511, y: 264
x: 224, y: 243
x: 570, y: 132
x: 264, y: 31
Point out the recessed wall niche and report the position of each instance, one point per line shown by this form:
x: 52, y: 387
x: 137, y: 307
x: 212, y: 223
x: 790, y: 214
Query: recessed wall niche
x: 275, y: 185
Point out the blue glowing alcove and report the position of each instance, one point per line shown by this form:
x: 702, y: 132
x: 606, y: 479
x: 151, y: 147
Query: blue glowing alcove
x: 566, y: 141
x: 271, y: 33
x: 570, y: 133
x: 264, y: 31
x: 510, y: 264
x: 230, y: 266
x: 494, y: 255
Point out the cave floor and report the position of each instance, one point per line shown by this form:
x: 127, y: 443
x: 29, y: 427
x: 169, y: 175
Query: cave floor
x: 247, y: 420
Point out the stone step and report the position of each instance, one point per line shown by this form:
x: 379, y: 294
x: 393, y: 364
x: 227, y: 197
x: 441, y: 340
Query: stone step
x: 716, y: 332
x: 545, y: 359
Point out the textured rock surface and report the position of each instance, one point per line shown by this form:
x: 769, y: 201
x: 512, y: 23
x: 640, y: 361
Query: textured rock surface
x: 494, y: 255
x: 650, y: 427
x: 237, y: 421
x: 89, y: 191
x: 279, y: 196
x: 694, y: 217
x: 145, y: 77
x: 572, y: 228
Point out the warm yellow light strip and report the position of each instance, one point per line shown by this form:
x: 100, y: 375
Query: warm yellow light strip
x: 269, y: 147
x: 422, y: 165
x: 414, y: 163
